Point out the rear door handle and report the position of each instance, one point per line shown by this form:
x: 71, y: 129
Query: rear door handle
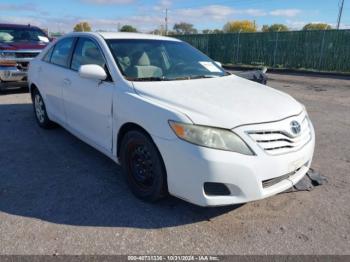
x: 66, y: 82
x: 40, y: 69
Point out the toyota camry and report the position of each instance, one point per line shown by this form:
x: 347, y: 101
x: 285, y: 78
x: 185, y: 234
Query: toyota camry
x: 174, y: 119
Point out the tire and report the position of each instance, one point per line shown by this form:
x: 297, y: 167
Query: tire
x: 143, y: 166
x: 40, y: 111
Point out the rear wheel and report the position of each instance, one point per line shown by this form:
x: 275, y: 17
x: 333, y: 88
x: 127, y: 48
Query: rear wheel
x: 143, y: 166
x: 40, y: 111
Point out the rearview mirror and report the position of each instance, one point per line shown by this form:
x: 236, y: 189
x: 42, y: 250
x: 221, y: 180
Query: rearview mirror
x: 92, y: 72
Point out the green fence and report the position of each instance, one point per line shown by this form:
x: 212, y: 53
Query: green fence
x: 326, y: 50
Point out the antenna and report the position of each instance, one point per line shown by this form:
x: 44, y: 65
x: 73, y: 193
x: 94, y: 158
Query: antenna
x: 341, y: 7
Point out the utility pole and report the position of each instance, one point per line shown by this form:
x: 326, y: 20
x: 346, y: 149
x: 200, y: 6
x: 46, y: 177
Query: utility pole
x: 341, y: 7
x: 166, y: 21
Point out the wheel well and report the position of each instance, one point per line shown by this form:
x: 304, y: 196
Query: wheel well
x: 126, y: 128
x: 133, y: 127
x: 32, y: 88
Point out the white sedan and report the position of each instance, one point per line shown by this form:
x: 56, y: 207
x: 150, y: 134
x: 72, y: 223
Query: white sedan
x: 172, y: 117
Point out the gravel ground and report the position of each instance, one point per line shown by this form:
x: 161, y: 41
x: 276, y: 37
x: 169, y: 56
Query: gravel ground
x: 60, y: 196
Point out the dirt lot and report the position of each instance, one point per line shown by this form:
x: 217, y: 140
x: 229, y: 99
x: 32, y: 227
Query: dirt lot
x: 60, y: 196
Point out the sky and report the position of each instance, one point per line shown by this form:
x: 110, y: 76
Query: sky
x: 147, y: 15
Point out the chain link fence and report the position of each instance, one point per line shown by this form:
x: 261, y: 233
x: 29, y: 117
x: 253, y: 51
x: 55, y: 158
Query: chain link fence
x: 323, y: 50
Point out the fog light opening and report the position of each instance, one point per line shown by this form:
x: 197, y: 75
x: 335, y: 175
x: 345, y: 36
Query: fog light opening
x: 216, y: 189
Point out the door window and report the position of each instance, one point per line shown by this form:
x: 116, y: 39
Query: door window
x: 87, y: 53
x: 48, y: 54
x: 61, y: 52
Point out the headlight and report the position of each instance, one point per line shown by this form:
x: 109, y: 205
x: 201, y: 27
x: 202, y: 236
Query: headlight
x: 212, y: 137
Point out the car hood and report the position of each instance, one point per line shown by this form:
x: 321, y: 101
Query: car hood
x: 225, y: 102
x: 22, y: 45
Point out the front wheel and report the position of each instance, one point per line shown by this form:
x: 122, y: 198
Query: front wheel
x: 143, y: 166
x: 40, y: 111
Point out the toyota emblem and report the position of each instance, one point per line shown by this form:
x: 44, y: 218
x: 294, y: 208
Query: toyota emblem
x: 295, y: 127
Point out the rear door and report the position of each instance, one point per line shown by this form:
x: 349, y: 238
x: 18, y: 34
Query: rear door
x: 88, y: 102
x: 52, y: 73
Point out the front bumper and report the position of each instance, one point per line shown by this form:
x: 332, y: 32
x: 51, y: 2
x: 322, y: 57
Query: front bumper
x: 189, y: 167
x: 12, y: 74
x: 12, y: 77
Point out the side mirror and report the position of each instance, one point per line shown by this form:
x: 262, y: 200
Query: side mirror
x: 92, y: 72
x: 218, y: 63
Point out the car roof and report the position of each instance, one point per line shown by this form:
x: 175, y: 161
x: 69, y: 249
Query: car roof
x: 124, y: 35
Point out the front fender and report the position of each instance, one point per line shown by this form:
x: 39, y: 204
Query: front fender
x: 130, y: 107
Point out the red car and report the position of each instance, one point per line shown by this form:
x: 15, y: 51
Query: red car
x: 18, y: 45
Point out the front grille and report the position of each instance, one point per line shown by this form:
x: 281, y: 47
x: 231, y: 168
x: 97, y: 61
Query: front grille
x: 276, y: 142
x: 26, y: 54
x: 273, y: 181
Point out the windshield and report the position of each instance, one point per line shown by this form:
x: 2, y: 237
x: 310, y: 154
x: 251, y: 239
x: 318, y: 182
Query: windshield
x: 158, y: 60
x: 22, y: 35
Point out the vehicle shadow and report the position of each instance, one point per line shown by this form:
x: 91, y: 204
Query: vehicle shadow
x: 52, y: 176
x: 14, y: 90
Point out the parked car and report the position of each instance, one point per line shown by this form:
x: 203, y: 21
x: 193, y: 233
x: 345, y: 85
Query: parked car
x: 174, y: 119
x: 18, y: 45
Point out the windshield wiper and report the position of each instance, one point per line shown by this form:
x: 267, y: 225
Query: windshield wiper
x: 144, y: 79
x: 163, y: 78
x: 203, y: 76
x: 194, y: 77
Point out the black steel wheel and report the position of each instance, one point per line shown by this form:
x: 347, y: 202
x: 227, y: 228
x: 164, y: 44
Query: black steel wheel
x: 143, y: 166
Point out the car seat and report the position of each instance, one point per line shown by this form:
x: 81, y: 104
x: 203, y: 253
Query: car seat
x: 142, y: 67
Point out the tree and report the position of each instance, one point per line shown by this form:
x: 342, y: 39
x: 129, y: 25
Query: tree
x: 212, y: 31
x: 265, y: 28
x: 184, y: 28
x: 207, y: 31
x: 217, y: 31
x: 275, y: 28
x: 157, y: 32
x: 240, y: 26
x: 317, y: 26
x: 82, y: 27
x: 171, y: 32
x: 128, y: 28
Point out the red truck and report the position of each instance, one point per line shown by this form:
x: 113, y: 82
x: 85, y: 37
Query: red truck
x: 18, y: 45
